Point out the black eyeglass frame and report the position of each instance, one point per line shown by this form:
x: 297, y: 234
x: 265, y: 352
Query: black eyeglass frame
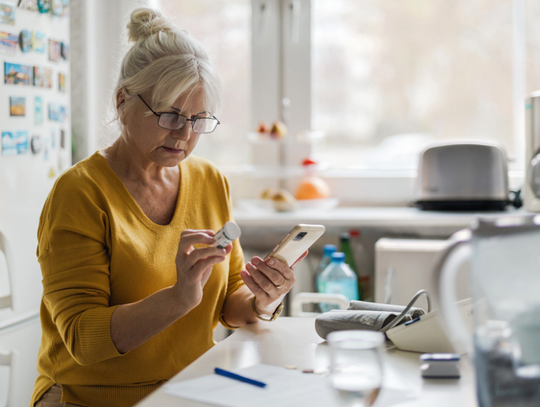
x: 193, y: 121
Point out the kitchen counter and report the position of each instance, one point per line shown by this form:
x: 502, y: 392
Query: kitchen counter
x: 364, y: 217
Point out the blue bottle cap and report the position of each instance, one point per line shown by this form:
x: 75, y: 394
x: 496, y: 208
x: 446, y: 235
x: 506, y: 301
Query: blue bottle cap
x: 329, y: 249
x: 338, y: 257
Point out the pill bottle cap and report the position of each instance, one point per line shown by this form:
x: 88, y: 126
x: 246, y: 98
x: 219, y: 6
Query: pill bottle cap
x: 232, y: 230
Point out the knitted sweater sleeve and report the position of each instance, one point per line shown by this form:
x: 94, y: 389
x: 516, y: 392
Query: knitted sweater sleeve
x: 73, y: 253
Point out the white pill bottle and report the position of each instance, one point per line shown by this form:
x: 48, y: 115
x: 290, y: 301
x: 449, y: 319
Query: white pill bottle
x: 225, y: 236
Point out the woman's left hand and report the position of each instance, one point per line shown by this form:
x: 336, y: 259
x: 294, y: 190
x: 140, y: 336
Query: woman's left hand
x: 269, y: 281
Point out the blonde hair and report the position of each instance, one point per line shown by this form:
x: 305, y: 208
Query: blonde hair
x: 166, y: 60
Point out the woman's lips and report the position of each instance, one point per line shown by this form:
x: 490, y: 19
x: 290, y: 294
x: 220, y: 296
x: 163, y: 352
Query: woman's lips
x: 173, y: 150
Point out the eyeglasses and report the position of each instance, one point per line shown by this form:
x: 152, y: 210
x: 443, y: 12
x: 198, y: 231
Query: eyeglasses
x: 175, y: 121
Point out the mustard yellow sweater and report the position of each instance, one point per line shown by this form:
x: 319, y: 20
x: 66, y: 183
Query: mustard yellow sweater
x: 97, y: 250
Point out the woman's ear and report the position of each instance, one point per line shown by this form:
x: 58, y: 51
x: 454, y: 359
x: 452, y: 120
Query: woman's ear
x: 120, y: 98
x: 120, y: 104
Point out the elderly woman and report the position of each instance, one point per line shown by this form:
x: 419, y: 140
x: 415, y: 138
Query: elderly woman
x: 133, y: 287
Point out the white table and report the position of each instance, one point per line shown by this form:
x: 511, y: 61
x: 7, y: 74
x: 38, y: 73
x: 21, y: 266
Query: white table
x: 293, y: 341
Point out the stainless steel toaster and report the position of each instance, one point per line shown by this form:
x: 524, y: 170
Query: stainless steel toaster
x: 465, y: 175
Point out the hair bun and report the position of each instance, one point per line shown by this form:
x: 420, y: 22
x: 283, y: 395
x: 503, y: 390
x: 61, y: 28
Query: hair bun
x: 146, y: 21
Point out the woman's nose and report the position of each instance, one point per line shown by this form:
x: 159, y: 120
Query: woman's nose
x: 184, y: 133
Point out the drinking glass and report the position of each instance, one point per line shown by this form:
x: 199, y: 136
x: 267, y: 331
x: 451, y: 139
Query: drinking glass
x: 356, y: 370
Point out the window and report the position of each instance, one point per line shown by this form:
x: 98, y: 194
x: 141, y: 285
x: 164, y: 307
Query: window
x: 380, y: 78
x: 390, y: 76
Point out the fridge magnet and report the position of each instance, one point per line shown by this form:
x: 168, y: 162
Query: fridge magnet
x: 8, y: 42
x: 42, y: 77
x: 7, y: 13
x: 38, y: 41
x: 14, y: 142
x: 38, y: 110
x: 25, y: 41
x: 17, y: 106
x: 56, y: 112
x: 45, y: 151
x: 36, y: 144
x: 66, y: 8
x: 62, y: 138
x: 44, y: 6
x: 54, y: 50
x: 64, y: 51
x: 52, y: 173
x: 61, y: 82
x: 29, y: 5
x: 57, y: 7
x: 15, y: 74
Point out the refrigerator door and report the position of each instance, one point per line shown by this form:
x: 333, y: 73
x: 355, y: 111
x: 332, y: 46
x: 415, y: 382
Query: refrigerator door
x: 19, y: 346
x: 20, y: 274
x: 35, y: 148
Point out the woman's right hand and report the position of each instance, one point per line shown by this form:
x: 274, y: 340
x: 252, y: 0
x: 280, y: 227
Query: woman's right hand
x: 194, y: 266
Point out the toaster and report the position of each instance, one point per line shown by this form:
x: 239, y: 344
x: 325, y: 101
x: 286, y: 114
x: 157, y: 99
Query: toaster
x: 465, y: 175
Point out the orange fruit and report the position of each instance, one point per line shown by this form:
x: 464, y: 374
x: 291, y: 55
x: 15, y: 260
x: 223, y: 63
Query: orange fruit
x: 312, y: 188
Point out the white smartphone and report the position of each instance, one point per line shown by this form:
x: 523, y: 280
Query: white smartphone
x: 299, y: 239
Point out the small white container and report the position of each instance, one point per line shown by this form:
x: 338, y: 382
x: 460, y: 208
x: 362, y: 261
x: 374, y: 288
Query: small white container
x: 226, y: 235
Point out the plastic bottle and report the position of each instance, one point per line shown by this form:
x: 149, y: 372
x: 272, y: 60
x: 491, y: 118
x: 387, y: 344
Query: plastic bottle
x: 226, y: 235
x: 326, y: 259
x: 338, y: 278
x: 349, y: 259
x: 364, y: 267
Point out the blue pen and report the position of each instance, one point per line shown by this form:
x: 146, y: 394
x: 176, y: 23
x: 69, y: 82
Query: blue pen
x: 235, y: 376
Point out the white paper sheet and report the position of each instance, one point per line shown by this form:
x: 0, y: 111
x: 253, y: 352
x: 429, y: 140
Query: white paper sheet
x: 284, y: 388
